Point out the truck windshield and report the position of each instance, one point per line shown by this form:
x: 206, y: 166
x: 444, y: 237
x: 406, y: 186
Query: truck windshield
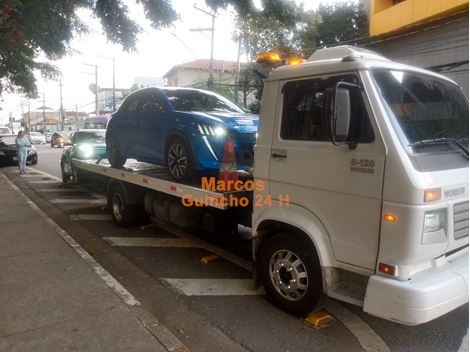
x: 430, y: 115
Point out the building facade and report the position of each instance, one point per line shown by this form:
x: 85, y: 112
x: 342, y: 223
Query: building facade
x: 430, y: 34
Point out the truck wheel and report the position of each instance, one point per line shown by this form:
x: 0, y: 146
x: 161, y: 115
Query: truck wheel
x: 179, y: 160
x: 290, y: 272
x: 123, y: 214
x: 114, y: 155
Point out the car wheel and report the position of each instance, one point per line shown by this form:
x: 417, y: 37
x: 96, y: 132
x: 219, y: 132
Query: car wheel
x: 114, y: 155
x: 290, y: 272
x: 34, y: 161
x: 179, y: 160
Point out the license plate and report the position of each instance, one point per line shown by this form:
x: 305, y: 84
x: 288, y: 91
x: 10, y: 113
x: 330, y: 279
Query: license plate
x: 15, y: 158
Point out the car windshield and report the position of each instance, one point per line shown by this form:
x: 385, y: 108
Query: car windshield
x: 4, y: 130
x: 7, y: 140
x: 95, y: 137
x: 428, y: 114
x: 193, y: 100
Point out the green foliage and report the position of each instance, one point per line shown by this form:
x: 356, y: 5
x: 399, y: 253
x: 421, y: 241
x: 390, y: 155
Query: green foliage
x: 30, y: 29
x: 341, y: 23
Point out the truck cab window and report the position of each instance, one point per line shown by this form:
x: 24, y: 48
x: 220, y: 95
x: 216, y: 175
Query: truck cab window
x: 305, y: 115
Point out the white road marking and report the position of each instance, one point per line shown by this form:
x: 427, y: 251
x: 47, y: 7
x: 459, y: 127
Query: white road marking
x: 43, y: 181
x: 367, y: 338
x: 30, y: 169
x: 31, y: 175
x: 148, y: 242
x: 109, y: 280
x: 186, y: 240
x: 53, y: 190
x: 464, y: 346
x: 213, y: 287
x: 76, y: 201
x: 90, y: 217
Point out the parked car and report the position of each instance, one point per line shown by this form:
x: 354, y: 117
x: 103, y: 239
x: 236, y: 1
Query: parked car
x: 8, y: 151
x: 84, y: 144
x: 96, y: 122
x: 60, y: 138
x: 5, y: 130
x: 37, y: 137
x: 182, y: 128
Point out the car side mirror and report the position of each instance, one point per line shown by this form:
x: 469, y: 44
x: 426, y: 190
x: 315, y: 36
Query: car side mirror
x: 342, y: 118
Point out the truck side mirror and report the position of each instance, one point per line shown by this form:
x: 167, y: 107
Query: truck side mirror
x: 341, y: 115
x: 342, y: 119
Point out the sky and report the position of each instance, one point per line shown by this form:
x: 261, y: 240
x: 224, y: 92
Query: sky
x: 157, y: 52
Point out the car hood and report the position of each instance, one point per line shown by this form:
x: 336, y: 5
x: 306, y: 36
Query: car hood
x: 242, y: 122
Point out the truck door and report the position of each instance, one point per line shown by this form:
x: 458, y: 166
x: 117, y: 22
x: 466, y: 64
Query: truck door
x: 341, y: 187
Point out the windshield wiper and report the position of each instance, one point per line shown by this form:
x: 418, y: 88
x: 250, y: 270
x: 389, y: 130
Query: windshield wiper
x: 444, y: 140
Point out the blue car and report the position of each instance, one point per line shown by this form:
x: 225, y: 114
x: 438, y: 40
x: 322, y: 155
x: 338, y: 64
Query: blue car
x: 182, y: 128
x: 84, y: 145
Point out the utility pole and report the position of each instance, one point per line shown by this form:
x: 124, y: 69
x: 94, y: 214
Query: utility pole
x: 97, y: 109
x: 29, y: 116
x: 43, y: 113
x: 62, y: 117
x: 210, y: 81
x: 237, y: 72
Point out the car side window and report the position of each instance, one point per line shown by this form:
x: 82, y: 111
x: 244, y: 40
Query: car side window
x: 152, y: 103
x: 131, y: 104
x: 306, y: 114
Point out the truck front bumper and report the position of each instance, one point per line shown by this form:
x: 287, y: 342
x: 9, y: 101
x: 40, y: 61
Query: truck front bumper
x: 426, y: 296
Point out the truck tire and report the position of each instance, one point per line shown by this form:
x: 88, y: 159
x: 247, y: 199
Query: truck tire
x: 290, y: 272
x: 114, y: 155
x: 123, y: 214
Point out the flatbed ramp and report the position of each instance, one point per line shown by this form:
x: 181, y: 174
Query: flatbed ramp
x: 155, y: 177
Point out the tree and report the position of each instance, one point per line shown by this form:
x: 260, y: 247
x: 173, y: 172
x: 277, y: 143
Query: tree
x: 30, y: 29
x: 345, y: 22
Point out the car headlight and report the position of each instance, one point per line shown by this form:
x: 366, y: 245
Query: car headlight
x: 434, y: 228
x: 210, y: 130
x: 86, y: 150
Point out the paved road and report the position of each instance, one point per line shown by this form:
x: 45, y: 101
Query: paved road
x: 214, y: 302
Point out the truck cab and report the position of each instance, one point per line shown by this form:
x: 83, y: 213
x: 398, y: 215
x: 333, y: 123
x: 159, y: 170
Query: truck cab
x: 365, y: 163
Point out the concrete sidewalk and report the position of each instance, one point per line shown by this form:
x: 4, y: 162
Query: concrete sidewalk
x: 53, y: 300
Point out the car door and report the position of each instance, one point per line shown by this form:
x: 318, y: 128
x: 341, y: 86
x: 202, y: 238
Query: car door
x: 154, y: 122
x: 125, y: 124
x: 339, y: 186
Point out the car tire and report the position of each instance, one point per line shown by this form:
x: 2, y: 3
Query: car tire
x: 34, y: 161
x: 114, y: 155
x: 290, y: 272
x: 179, y: 160
x: 122, y: 213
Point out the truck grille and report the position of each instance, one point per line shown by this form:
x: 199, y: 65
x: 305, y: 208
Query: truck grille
x: 460, y: 220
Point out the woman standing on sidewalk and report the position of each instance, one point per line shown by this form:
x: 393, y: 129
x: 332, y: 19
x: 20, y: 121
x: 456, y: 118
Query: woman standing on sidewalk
x: 23, y: 144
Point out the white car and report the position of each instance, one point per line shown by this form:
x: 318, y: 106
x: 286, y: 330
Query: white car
x: 37, y: 138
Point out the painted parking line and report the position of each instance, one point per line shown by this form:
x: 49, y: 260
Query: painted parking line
x: 213, y: 287
x: 76, y: 201
x: 149, y: 242
x: 185, y: 240
x: 90, y: 217
x: 43, y: 181
x: 58, y: 190
x: 32, y: 170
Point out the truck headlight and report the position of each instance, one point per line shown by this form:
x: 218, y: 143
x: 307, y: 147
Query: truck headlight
x: 434, y: 228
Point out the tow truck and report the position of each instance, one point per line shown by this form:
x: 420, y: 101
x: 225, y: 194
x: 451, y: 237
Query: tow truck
x: 361, y: 188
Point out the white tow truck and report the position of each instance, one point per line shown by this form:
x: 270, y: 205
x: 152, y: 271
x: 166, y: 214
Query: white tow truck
x: 359, y: 188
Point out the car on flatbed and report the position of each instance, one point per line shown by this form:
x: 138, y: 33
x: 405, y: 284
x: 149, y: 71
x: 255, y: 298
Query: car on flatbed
x: 181, y: 128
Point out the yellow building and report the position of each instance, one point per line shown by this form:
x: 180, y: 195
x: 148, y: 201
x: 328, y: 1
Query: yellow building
x: 432, y: 34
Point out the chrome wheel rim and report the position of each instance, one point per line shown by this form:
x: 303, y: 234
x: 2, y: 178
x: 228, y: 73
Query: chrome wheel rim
x: 118, y: 205
x: 177, y: 160
x: 288, y: 275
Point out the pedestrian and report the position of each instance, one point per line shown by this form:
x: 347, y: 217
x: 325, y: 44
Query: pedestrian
x: 23, y: 143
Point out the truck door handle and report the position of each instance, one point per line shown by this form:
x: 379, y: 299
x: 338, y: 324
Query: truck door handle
x: 278, y: 155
